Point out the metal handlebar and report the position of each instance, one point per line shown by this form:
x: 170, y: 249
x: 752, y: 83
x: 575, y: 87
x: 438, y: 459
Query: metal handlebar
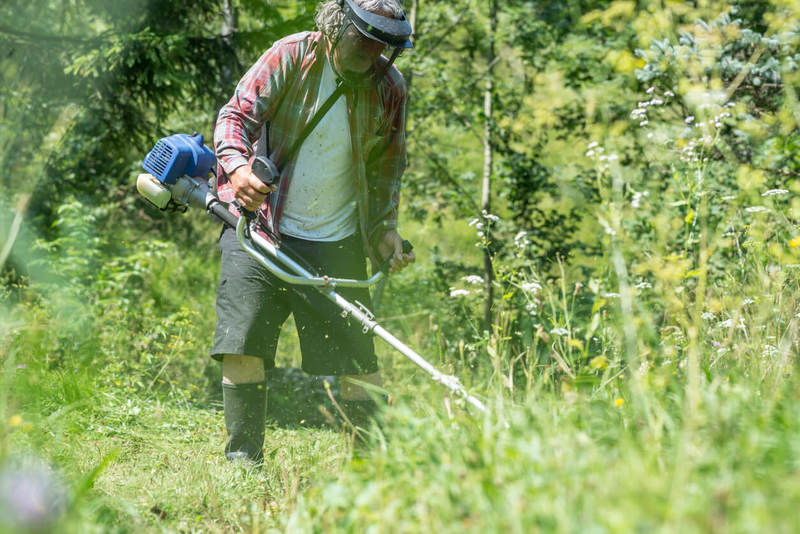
x: 303, y: 277
x: 327, y: 285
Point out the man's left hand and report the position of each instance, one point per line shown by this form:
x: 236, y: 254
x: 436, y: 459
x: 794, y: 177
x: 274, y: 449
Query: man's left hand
x: 392, y: 245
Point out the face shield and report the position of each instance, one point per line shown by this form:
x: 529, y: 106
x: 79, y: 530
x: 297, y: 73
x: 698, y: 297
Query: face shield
x: 391, y: 32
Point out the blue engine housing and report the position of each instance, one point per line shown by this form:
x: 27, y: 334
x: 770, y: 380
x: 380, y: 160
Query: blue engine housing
x: 179, y: 155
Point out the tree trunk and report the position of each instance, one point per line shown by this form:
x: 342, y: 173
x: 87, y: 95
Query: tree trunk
x: 229, y: 23
x: 488, y: 155
x: 412, y: 19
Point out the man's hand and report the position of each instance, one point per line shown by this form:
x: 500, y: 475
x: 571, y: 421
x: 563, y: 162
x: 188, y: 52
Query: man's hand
x: 392, y: 245
x: 248, y: 189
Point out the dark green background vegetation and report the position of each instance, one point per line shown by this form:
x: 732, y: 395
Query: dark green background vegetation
x: 642, y: 340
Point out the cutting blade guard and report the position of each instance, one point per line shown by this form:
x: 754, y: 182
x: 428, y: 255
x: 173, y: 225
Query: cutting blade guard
x: 178, y: 155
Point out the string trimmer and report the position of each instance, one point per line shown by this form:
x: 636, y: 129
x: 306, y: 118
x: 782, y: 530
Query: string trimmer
x: 177, y: 171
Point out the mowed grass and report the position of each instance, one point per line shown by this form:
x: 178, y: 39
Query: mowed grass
x: 162, y: 467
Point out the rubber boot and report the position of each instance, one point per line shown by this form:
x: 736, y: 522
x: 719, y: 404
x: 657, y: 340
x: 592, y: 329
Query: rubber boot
x: 360, y: 412
x: 245, y: 418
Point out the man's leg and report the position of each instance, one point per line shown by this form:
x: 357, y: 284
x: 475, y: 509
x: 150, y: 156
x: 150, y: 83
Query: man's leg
x: 251, y: 307
x: 240, y: 369
x: 359, y: 402
x: 244, y: 391
x: 333, y: 344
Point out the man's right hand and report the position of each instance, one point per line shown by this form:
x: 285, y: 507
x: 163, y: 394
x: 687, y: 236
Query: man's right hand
x: 248, y: 190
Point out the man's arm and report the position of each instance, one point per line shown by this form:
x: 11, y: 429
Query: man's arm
x: 390, y: 167
x: 240, y: 121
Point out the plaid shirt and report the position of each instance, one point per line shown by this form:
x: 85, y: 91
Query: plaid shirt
x: 279, y: 91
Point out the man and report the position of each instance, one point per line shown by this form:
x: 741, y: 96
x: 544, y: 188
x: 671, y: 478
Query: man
x: 335, y: 202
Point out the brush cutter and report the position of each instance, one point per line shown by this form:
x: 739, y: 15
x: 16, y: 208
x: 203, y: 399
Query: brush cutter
x: 177, y: 170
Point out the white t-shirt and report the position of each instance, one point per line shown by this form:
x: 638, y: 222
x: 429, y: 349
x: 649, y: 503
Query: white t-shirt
x: 321, y: 202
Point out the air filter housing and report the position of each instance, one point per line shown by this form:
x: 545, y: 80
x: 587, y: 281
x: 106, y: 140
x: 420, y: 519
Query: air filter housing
x: 179, y: 155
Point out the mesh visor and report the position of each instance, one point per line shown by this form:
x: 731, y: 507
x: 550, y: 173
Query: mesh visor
x: 389, y: 31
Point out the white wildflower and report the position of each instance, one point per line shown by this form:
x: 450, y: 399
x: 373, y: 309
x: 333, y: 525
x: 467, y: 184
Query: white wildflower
x: 756, y: 209
x: 650, y: 90
x: 725, y: 324
x: 689, y: 119
x: 745, y: 302
x: 473, y: 279
x: 611, y: 295
x: 774, y: 192
x: 593, y: 144
x: 707, y: 316
x: 458, y: 293
x: 521, y: 239
x: 606, y: 227
x: 644, y: 123
x: 637, y: 198
x: 560, y: 331
x: 668, y: 93
x: 589, y: 153
x: 530, y: 287
x: 769, y: 350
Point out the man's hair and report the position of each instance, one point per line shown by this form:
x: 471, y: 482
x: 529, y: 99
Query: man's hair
x: 330, y: 17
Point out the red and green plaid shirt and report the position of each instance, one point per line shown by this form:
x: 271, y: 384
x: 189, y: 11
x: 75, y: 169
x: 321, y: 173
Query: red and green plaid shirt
x: 279, y: 91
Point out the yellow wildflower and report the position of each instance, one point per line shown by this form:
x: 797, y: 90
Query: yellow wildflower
x: 598, y: 362
x: 619, y: 402
x: 15, y: 420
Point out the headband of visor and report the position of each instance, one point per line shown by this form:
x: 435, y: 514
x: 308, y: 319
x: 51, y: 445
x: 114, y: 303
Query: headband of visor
x: 386, y: 30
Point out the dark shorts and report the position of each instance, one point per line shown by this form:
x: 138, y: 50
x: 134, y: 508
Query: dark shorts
x: 253, y: 304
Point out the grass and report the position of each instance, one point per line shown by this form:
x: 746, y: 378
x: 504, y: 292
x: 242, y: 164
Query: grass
x: 163, y: 465
x: 581, y: 462
x: 102, y: 381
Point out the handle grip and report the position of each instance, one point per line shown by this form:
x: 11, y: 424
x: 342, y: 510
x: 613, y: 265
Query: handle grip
x: 267, y: 172
x: 407, y: 248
